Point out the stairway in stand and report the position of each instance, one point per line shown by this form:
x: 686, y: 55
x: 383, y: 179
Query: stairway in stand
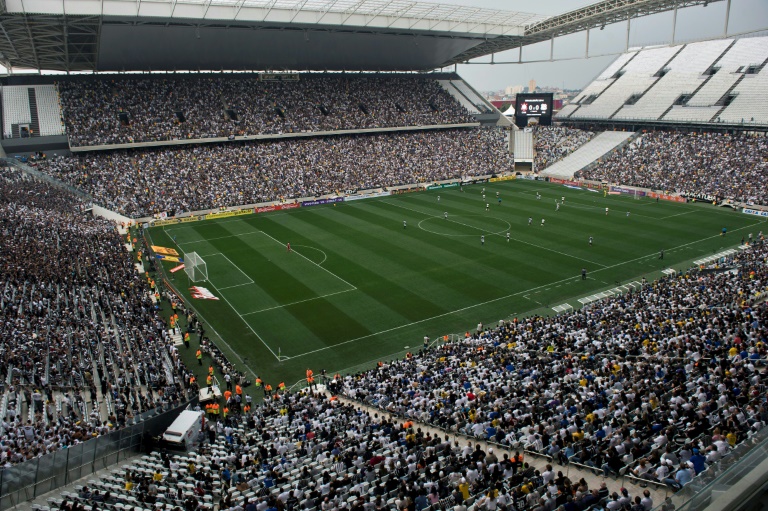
x: 34, y: 124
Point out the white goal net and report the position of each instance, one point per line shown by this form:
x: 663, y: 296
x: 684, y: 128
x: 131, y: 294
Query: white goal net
x: 195, y: 267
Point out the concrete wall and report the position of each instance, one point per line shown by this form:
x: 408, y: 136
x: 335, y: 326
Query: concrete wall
x: 57, y: 144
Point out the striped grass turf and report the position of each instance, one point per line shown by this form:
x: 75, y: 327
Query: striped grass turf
x: 358, y: 286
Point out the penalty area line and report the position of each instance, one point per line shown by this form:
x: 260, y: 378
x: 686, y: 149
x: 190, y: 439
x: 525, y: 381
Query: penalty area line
x: 297, y: 302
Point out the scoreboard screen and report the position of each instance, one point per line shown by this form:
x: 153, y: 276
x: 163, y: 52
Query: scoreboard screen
x: 533, y: 106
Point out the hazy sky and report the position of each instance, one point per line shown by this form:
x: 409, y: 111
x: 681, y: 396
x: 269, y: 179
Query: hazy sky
x: 692, y: 24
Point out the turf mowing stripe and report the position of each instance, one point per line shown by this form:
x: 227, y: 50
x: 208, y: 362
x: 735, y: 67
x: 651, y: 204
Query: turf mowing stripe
x: 389, y: 293
x: 299, y: 301
x: 519, y: 293
x: 559, y: 230
x: 282, y: 286
x: 311, y: 261
x: 243, y: 320
x: 407, y: 252
x: 236, y: 266
x: 518, y: 240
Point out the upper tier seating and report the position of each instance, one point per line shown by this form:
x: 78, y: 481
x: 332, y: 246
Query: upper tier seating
x: 133, y: 110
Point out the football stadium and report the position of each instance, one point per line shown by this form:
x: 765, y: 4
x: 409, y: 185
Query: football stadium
x: 285, y: 255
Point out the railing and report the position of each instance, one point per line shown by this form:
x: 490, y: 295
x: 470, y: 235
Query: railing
x: 723, y: 474
x: 36, y: 477
x: 13, y: 162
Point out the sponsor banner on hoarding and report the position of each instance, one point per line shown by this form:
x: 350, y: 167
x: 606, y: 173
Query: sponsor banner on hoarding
x: 630, y: 191
x: 319, y: 202
x: 441, y: 186
x: 177, y: 268
x: 664, y: 196
x: 756, y: 212
x: 201, y: 293
x: 225, y: 214
x: 473, y: 181
x: 564, y: 182
x: 405, y: 190
x: 164, y: 250
x: 529, y: 177
x: 502, y: 178
x: 358, y: 196
x: 191, y: 218
x: 170, y: 221
x: 276, y: 207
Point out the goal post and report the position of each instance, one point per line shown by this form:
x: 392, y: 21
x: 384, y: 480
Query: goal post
x: 195, y: 267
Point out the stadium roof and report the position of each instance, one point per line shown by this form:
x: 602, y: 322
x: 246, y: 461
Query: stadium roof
x: 141, y: 35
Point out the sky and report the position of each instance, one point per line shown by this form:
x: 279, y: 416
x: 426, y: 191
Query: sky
x: 693, y: 23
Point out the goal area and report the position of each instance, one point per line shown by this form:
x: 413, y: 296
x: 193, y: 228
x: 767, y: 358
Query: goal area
x: 195, y: 267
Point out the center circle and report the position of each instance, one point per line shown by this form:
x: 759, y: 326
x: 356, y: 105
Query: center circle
x: 447, y: 227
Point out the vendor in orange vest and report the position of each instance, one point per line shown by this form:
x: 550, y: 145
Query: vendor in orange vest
x: 310, y: 378
x: 267, y: 389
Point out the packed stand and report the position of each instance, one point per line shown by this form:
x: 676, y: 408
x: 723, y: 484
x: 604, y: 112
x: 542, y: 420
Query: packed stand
x: 118, y: 111
x: 82, y: 347
x: 175, y: 180
x: 693, y: 164
x: 308, y: 452
x: 657, y: 383
x: 553, y: 143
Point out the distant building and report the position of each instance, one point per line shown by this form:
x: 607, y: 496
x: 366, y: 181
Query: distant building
x: 511, y: 90
x: 532, y: 85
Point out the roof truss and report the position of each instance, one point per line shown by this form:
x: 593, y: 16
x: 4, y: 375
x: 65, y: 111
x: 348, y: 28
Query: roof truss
x: 592, y: 16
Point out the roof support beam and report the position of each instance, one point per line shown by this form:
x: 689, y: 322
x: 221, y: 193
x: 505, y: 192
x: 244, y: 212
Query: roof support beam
x: 378, y: 12
x: 31, y: 39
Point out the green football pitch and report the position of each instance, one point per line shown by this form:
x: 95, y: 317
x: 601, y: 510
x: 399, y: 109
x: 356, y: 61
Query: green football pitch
x: 368, y: 279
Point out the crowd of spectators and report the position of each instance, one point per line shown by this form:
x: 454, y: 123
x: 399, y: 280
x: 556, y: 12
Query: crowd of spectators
x: 82, y: 347
x: 308, y: 452
x: 553, y: 143
x: 131, y: 110
x: 657, y: 383
x: 182, y: 179
x: 726, y: 166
